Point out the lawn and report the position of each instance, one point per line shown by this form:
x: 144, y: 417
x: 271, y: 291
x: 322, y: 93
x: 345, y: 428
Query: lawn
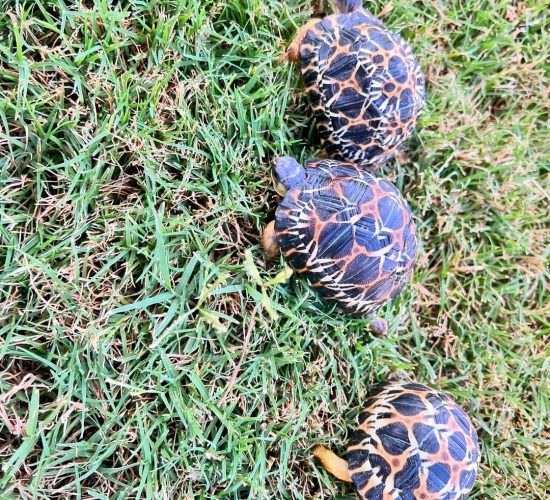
x: 148, y: 350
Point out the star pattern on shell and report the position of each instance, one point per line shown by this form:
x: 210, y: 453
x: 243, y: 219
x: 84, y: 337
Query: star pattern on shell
x: 350, y: 233
x: 413, y: 443
x: 365, y: 87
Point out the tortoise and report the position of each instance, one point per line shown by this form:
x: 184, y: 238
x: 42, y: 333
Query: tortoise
x: 345, y: 229
x: 413, y: 442
x: 365, y: 87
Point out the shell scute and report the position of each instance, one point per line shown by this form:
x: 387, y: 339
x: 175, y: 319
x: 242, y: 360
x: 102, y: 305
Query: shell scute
x: 349, y: 103
x: 407, y: 478
x: 379, y: 38
x: 335, y: 241
x: 398, y: 69
x: 390, y: 214
x: 361, y: 270
x: 438, y: 477
x: 426, y: 438
x: 362, y: 478
x: 342, y: 67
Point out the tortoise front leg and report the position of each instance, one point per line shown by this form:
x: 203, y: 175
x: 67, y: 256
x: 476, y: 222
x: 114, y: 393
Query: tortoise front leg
x: 292, y: 54
x: 269, y: 242
x: 337, y: 466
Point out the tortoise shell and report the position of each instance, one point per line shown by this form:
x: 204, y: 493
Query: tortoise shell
x: 413, y: 442
x: 350, y: 233
x: 365, y: 87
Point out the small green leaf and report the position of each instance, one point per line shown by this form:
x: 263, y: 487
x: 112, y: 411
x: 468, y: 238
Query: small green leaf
x: 33, y: 413
x: 267, y: 303
x: 144, y: 304
x: 251, y: 268
x: 213, y: 320
x: 281, y: 277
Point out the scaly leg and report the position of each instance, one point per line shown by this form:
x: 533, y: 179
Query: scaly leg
x: 332, y: 463
x: 269, y: 242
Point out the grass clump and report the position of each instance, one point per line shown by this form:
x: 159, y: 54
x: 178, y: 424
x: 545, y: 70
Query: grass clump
x: 146, y: 347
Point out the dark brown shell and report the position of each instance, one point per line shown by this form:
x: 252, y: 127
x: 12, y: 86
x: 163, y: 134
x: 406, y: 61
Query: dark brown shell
x: 350, y: 233
x: 365, y: 87
x: 413, y: 442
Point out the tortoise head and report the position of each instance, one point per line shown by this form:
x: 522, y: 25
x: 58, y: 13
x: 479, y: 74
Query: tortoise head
x: 287, y: 173
x: 347, y: 6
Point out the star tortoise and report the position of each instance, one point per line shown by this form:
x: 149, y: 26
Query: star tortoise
x: 413, y: 442
x: 365, y: 87
x: 345, y: 229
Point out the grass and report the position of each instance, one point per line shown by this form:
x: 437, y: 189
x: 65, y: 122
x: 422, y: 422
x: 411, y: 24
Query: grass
x: 147, y: 350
